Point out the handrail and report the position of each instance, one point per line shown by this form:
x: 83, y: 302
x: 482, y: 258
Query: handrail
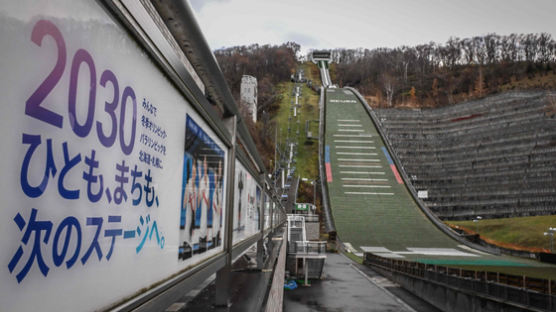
x: 328, y: 221
x: 180, y: 20
x: 309, y: 247
x: 494, y: 284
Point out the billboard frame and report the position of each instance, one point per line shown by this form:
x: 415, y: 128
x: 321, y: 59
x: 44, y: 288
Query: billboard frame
x: 136, y: 18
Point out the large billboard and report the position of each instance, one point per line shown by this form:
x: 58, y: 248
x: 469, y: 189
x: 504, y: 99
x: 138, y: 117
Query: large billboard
x: 246, y: 210
x: 98, y: 148
x: 201, y: 213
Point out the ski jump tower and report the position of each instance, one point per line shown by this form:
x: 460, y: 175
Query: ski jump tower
x: 322, y: 59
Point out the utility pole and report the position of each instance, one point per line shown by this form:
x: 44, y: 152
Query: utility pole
x: 275, y: 147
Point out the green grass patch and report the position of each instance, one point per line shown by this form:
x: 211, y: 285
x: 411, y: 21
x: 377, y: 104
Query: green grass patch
x: 474, y: 262
x: 281, y: 117
x: 307, y: 150
x: 311, y: 72
x: 513, y: 232
x: 353, y: 257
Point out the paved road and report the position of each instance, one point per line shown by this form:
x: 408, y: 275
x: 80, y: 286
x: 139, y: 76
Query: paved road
x: 344, y: 287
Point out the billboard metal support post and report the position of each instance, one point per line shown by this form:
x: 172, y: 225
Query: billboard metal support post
x: 223, y: 278
x: 260, y: 242
x: 273, y: 207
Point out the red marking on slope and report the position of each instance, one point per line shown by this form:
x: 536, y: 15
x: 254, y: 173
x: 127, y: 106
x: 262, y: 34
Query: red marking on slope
x: 396, y: 173
x: 328, y: 172
x: 466, y: 117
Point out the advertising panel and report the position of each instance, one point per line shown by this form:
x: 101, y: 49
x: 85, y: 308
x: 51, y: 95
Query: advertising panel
x: 259, y: 205
x: 98, y: 148
x: 267, y: 204
x: 246, y: 214
x: 202, y: 193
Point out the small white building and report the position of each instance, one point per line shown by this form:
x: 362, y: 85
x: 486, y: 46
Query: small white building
x: 248, y: 95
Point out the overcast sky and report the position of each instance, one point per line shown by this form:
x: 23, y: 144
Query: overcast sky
x: 326, y: 24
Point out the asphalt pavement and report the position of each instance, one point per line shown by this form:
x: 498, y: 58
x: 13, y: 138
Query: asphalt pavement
x: 347, y: 286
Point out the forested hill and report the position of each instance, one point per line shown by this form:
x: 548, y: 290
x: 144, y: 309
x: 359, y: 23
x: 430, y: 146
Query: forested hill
x: 431, y: 75
x: 271, y: 65
x: 427, y: 75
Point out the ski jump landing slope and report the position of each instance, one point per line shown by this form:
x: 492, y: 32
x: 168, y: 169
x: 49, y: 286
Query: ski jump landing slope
x: 372, y: 209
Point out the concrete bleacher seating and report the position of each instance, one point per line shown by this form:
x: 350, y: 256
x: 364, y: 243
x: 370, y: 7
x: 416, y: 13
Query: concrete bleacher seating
x: 494, y: 157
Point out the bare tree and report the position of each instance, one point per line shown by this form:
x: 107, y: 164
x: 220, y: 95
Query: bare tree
x: 389, y: 84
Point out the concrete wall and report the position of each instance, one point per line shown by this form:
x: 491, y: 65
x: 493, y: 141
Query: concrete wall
x: 312, y: 230
x: 290, y: 264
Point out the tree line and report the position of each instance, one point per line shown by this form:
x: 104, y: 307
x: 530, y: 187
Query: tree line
x: 426, y: 75
x: 439, y: 74
x: 270, y: 64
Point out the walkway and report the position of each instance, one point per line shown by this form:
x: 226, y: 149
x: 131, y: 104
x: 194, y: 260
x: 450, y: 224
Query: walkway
x: 344, y: 287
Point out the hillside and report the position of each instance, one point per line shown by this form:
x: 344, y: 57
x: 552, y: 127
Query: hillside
x: 434, y: 75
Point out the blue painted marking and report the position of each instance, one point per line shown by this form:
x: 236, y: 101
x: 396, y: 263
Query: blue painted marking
x: 387, y: 155
x: 327, y: 154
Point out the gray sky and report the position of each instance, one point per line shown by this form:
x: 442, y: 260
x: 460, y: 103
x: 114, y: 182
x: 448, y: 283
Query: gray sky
x: 366, y: 23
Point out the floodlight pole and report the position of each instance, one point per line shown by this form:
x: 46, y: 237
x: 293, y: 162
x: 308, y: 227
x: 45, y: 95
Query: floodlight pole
x: 476, y: 221
x: 550, y: 233
x: 314, y: 183
x: 315, y: 193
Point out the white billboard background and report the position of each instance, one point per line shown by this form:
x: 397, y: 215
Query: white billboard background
x: 71, y: 240
x: 246, y: 215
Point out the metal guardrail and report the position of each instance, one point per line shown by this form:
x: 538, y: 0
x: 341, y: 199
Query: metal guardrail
x: 311, y: 217
x: 533, y: 292
x: 275, y: 299
x: 302, y: 217
x: 308, y: 247
x: 294, y: 224
x: 328, y: 222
